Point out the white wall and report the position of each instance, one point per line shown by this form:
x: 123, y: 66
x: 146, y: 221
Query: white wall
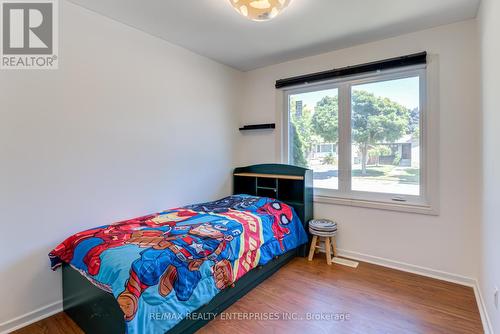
x: 489, y: 19
x: 448, y: 242
x: 127, y: 126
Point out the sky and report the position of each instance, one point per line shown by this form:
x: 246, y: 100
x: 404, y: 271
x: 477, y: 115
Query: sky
x: 403, y: 91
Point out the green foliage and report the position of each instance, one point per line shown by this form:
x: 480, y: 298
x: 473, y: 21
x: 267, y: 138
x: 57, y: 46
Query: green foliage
x: 375, y: 152
x: 297, y: 148
x: 379, y: 150
x: 330, y: 159
x: 376, y: 120
x: 303, y: 126
x: 414, y: 123
x: 397, y: 159
x: 325, y: 121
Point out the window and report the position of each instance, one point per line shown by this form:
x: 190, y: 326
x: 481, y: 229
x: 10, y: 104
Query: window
x: 363, y: 137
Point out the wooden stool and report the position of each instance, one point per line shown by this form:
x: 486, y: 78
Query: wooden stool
x: 326, y: 230
x: 330, y: 243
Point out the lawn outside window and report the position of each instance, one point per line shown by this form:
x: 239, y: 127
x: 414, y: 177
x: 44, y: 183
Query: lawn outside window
x: 370, y: 139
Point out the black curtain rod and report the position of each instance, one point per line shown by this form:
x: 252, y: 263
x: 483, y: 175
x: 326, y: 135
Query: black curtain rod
x: 409, y: 60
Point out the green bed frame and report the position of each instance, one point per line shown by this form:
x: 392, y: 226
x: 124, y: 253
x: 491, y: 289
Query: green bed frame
x: 96, y: 311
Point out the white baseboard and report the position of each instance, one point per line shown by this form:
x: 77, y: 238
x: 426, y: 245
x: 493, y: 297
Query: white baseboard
x: 31, y: 317
x: 410, y: 268
x: 428, y: 272
x: 488, y: 328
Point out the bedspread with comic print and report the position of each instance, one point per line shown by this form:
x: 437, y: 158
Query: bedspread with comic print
x: 172, y: 263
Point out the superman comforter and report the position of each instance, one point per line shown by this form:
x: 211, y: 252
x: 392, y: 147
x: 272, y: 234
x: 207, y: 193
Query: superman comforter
x: 176, y: 261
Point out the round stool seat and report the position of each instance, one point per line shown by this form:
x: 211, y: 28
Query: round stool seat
x: 323, y: 227
x: 326, y: 230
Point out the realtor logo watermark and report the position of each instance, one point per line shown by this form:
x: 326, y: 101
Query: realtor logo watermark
x: 29, y: 34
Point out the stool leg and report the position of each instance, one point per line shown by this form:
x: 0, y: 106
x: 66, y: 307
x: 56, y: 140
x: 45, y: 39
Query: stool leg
x: 313, y: 247
x: 328, y: 249
x: 334, y: 244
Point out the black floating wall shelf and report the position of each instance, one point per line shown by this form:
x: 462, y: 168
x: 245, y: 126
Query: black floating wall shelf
x: 258, y: 127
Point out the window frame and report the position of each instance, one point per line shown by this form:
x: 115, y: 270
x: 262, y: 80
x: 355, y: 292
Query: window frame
x: 426, y: 202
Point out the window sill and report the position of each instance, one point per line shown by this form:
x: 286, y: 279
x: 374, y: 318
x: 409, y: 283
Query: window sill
x: 371, y: 204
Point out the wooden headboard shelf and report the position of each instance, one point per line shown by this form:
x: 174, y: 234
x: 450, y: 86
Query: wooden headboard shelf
x: 290, y: 184
x: 271, y: 176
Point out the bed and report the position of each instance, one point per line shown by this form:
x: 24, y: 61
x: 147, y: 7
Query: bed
x: 174, y: 271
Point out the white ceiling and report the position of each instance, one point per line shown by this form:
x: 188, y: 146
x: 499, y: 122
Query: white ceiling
x: 214, y: 29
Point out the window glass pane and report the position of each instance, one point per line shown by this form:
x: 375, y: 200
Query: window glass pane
x: 385, y: 137
x: 313, y: 134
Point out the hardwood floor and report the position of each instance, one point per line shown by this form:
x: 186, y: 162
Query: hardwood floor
x: 56, y: 324
x: 375, y: 299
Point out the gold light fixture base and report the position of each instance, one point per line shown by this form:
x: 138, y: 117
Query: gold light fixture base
x: 260, y: 10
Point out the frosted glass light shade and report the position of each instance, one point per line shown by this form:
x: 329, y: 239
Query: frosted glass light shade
x: 259, y: 10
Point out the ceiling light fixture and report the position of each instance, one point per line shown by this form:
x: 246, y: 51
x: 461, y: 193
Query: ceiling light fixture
x: 260, y: 10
